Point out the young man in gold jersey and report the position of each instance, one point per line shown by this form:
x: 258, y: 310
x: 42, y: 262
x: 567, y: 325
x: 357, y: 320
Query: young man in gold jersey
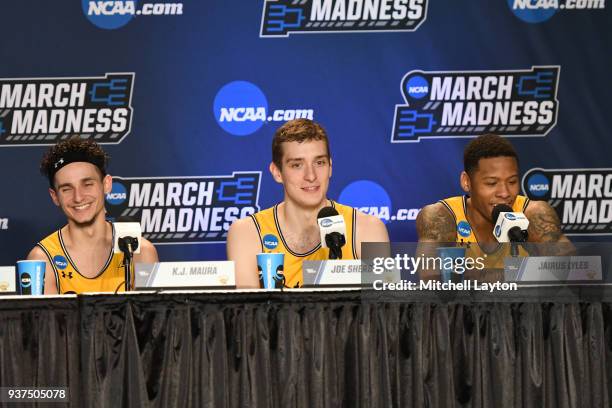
x: 490, y: 177
x: 79, y: 256
x: 301, y: 162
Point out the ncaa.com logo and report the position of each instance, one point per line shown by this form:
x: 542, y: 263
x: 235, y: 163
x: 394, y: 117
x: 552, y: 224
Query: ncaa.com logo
x: 464, y: 229
x: 538, y: 185
x: 326, y: 223
x: 538, y: 11
x: 270, y: 241
x: 111, y: 15
x: 26, y: 280
x: 117, y: 195
x: 241, y: 108
x: 60, y: 261
x: 371, y: 198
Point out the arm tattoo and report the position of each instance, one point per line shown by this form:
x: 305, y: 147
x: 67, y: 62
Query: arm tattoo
x: 544, y: 225
x: 435, y: 223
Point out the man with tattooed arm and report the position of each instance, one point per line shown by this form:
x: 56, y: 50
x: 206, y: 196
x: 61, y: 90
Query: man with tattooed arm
x: 490, y: 177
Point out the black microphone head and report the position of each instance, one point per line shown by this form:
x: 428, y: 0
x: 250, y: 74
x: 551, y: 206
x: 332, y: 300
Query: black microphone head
x: 327, y: 212
x: 499, y: 208
x: 518, y: 235
x: 126, y: 243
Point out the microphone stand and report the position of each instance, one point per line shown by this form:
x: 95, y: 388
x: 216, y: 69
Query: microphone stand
x: 128, y: 245
x: 517, y: 236
x: 514, y: 251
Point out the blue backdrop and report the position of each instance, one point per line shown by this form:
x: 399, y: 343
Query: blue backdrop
x: 188, y: 95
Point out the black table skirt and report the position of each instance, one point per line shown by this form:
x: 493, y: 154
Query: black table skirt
x: 327, y: 349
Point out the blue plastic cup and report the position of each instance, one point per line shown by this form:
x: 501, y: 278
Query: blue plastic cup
x: 270, y: 267
x: 447, y: 272
x: 31, y: 276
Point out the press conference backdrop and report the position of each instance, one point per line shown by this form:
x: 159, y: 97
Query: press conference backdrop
x: 186, y: 96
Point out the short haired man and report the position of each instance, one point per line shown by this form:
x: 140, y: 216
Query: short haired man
x: 490, y: 177
x: 79, y: 256
x: 301, y: 162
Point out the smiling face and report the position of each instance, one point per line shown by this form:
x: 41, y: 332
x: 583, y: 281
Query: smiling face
x: 79, y: 191
x: 305, y: 173
x: 495, y: 181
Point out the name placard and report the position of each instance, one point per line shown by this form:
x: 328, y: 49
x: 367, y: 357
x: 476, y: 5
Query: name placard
x: 7, y: 280
x: 340, y: 273
x: 217, y: 274
x: 552, y: 268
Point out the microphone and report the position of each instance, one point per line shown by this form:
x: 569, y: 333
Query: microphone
x: 332, y: 230
x: 509, y: 226
x: 127, y: 241
x: 128, y: 234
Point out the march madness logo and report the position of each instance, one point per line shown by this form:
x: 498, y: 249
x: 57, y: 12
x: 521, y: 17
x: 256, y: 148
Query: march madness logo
x: 185, y: 209
x: 42, y: 111
x: 283, y: 17
x: 448, y: 104
x: 582, y: 198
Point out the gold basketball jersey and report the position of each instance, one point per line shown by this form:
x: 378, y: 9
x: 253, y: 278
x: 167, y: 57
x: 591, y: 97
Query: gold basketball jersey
x: 465, y: 234
x: 272, y: 240
x: 67, y: 277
